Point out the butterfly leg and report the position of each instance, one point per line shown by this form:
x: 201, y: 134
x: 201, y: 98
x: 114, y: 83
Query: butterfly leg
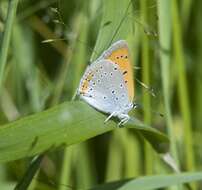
x: 124, y: 120
x: 110, y: 116
x: 135, y: 105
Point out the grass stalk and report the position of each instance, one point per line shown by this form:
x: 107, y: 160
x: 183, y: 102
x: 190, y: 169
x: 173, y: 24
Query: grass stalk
x: 146, y: 79
x: 66, y: 168
x: 182, y: 86
x: 164, y: 26
x: 6, y: 37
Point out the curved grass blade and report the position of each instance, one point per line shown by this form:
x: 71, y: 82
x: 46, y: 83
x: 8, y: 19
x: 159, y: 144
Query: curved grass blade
x: 65, y: 124
x: 151, y: 182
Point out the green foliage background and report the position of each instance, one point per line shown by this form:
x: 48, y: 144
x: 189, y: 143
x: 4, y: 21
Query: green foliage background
x: 45, y: 48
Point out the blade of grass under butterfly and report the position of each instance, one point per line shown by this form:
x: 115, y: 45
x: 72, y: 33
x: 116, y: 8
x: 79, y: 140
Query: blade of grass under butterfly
x: 6, y: 37
x: 65, y: 124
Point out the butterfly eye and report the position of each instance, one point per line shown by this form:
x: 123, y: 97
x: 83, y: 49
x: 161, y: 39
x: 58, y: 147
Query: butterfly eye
x: 126, y: 57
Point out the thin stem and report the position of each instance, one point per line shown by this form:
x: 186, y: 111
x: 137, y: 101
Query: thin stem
x: 6, y: 37
x: 146, y: 79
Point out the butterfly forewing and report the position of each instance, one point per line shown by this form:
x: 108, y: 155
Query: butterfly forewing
x: 118, y: 53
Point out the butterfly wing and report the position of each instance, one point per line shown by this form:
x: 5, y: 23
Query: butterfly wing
x: 103, y: 87
x: 118, y: 53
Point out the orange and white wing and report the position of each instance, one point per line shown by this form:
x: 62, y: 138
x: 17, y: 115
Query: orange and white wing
x: 118, y: 53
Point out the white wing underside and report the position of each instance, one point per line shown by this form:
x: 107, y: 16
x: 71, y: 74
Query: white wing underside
x: 107, y: 91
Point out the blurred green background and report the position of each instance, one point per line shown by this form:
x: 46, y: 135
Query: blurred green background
x: 47, y: 46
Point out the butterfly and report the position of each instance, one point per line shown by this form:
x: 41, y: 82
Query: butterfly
x: 107, y: 83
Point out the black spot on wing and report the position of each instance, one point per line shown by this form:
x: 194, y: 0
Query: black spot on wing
x: 125, y: 72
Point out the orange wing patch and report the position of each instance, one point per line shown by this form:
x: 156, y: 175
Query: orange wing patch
x: 121, y: 58
x: 85, y: 84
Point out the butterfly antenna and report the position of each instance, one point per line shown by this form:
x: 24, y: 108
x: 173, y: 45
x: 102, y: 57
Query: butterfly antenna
x: 139, y: 106
x: 149, y: 89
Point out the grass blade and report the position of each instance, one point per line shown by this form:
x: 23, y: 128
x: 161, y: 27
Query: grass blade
x: 115, y: 24
x: 6, y: 37
x: 165, y: 60
x: 151, y: 182
x: 154, y: 182
x: 66, y: 124
x: 182, y: 86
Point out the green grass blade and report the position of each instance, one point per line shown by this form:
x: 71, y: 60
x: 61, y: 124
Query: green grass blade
x: 30, y: 173
x: 165, y: 61
x: 146, y: 62
x: 115, y: 157
x: 151, y: 182
x: 6, y: 37
x: 154, y: 182
x: 65, y: 124
x: 182, y: 86
x: 115, y: 24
